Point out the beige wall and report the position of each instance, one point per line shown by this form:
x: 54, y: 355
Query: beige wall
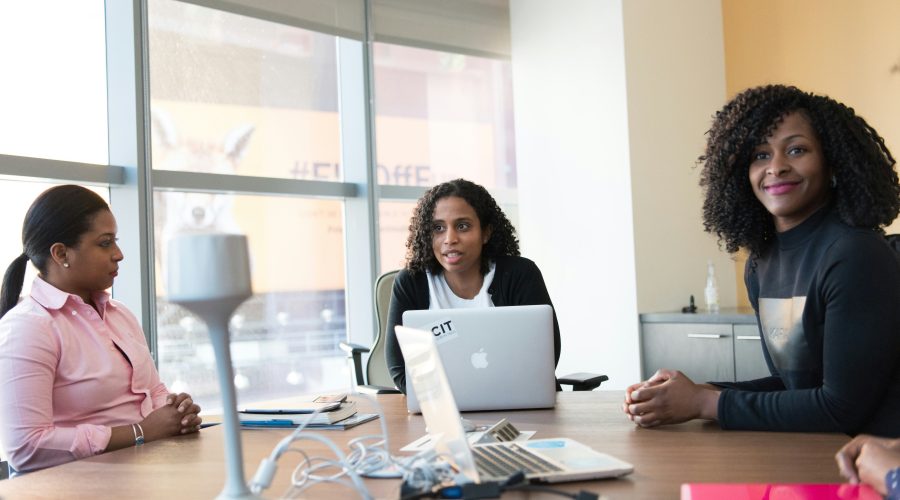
x: 574, y: 182
x: 676, y: 81
x: 612, y: 100
x: 847, y: 49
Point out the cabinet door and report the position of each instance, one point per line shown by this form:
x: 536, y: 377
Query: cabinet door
x: 703, y: 351
x: 749, y: 362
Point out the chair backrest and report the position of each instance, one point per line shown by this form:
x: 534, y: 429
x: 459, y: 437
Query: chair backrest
x: 376, y: 368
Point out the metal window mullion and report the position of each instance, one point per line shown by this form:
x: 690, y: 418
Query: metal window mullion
x: 128, y: 111
x: 250, y: 185
x: 400, y: 193
x: 357, y: 118
x: 60, y: 170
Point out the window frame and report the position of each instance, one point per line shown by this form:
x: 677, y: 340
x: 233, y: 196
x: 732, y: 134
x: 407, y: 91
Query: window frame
x: 132, y: 180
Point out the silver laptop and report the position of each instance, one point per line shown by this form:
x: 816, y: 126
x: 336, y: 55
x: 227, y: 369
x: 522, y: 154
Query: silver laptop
x: 497, y: 358
x: 551, y: 460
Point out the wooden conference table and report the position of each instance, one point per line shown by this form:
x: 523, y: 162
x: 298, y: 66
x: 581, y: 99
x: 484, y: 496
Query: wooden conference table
x: 193, y: 466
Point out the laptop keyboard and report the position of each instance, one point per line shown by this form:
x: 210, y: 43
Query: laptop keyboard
x: 504, y: 459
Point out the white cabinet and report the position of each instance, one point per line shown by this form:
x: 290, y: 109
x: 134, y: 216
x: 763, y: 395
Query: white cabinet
x: 706, y: 347
x: 749, y: 361
x: 702, y: 351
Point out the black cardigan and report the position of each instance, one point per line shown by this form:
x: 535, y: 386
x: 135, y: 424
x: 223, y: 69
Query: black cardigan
x: 517, y: 282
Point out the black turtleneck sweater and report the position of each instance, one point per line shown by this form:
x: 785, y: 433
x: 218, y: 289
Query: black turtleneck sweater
x: 827, y: 299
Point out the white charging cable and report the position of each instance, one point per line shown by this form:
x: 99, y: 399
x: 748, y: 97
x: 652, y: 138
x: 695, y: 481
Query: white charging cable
x: 369, y: 456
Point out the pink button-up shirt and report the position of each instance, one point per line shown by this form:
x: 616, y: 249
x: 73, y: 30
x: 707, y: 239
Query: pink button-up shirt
x: 69, y: 374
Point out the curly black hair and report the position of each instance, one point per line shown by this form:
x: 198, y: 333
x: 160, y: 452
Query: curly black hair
x: 866, y: 192
x: 419, y: 252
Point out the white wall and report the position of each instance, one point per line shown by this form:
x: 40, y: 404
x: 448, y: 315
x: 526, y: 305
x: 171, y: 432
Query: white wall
x: 612, y: 103
x: 675, y: 69
x: 574, y: 181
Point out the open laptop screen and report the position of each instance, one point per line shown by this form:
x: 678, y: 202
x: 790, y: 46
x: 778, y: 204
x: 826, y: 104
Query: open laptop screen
x: 426, y: 375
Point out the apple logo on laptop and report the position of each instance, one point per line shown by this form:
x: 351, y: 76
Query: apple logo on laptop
x: 479, y: 359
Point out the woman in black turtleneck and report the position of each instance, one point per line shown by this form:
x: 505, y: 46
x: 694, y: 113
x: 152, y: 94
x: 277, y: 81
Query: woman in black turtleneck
x: 805, y: 186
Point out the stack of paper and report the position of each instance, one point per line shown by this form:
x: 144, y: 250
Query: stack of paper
x: 330, y: 416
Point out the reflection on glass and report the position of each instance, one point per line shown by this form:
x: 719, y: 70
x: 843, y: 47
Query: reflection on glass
x: 440, y: 116
x: 17, y: 196
x: 393, y: 229
x: 53, y: 89
x: 284, y: 340
x: 236, y: 95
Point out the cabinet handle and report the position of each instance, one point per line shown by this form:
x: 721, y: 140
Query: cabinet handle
x: 748, y: 337
x: 705, y: 335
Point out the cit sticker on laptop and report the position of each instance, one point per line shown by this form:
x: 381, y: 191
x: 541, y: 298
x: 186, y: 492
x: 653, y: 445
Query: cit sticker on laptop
x: 443, y: 330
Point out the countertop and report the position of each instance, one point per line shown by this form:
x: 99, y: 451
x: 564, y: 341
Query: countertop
x: 725, y: 315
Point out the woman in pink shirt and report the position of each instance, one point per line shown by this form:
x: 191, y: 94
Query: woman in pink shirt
x: 76, y: 377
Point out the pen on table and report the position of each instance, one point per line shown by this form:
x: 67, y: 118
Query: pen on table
x: 275, y: 412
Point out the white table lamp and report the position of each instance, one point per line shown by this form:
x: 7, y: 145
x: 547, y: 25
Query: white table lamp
x: 209, y: 274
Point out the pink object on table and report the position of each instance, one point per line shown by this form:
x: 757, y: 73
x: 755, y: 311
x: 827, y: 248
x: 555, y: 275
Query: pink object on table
x: 762, y: 491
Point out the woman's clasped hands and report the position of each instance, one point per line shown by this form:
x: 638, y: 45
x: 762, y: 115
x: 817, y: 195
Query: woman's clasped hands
x: 179, y: 416
x: 669, y: 397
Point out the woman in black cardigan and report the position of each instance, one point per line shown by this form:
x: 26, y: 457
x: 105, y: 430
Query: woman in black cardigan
x: 462, y: 251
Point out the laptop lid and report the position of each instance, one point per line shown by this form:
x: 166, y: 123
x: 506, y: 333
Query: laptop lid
x: 496, y: 358
x: 575, y: 461
x: 425, y: 370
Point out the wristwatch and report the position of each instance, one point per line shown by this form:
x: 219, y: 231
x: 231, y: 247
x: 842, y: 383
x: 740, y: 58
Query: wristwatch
x: 892, y: 484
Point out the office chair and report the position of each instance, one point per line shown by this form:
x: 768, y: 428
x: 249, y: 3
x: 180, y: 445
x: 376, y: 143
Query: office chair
x: 4, y: 470
x: 583, y: 381
x: 377, y: 379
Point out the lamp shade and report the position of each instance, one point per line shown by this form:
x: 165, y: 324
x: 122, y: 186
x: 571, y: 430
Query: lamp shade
x: 209, y: 272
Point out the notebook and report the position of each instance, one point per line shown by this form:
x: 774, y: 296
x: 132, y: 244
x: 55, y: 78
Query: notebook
x: 338, y: 412
x: 497, y: 358
x: 550, y: 460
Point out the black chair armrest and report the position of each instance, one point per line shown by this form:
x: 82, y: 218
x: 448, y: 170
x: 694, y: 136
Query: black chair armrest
x: 351, y: 348
x: 583, y: 381
x: 4, y: 470
x: 354, y: 352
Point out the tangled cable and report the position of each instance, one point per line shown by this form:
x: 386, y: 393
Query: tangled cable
x: 368, y: 455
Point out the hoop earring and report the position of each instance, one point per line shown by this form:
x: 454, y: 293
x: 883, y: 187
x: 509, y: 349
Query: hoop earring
x: 833, y: 181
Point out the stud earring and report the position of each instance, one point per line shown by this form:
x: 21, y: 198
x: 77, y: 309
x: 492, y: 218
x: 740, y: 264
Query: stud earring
x: 66, y: 265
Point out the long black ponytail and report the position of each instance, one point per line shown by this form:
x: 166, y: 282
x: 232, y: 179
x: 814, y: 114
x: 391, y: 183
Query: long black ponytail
x: 60, y: 214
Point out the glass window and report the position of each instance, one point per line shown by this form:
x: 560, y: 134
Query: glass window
x: 17, y: 196
x: 440, y: 116
x: 53, y: 89
x: 236, y: 95
x: 393, y: 221
x: 284, y: 340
